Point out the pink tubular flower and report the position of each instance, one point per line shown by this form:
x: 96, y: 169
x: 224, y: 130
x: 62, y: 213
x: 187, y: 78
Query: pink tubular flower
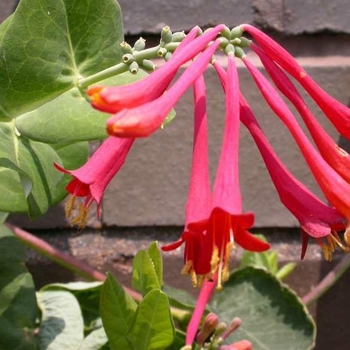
x: 336, y: 112
x: 336, y: 157
x: 334, y: 187
x: 315, y: 217
x: 92, y: 178
x: 114, y: 99
x: 143, y: 120
x: 226, y: 224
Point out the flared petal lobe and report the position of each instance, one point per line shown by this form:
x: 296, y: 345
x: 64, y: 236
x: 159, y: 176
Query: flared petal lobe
x: 91, y: 180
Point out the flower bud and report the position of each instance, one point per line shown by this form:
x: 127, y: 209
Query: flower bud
x: 236, y: 32
x: 140, y: 44
x: 178, y: 36
x: 166, y: 35
x: 209, y: 326
x: 134, y: 67
x: 128, y: 58
x: 126, y: 48
x: 148, y: 65
x: 233, y: 326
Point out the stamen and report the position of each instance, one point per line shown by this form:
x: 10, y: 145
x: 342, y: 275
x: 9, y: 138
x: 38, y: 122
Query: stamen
x: 337, y: 241
x: 214, y: 259
x: 194, y: 279
x: 68, y: 208
x: 326, y: 252
x: 187, y: 268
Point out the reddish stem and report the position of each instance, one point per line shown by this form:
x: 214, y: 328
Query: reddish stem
x: 63, y: 259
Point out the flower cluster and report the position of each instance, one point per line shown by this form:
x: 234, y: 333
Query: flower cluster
x: 215, y: 221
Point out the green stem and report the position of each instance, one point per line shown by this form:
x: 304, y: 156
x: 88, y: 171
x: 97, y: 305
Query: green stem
x: 106, y: 73
x: 328, y: 281
x: 146, y: 54
x: 63, y: 259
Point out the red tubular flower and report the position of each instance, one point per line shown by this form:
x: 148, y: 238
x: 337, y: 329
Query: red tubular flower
x: 114, y: 99
x: 198, y: 204
x: 226, y: 223
x: 143, y: 120
x: 336, y: 112
x: 92, y: 178
x: 315, y: 217
x: 334, y: 187
x: 336, y: 157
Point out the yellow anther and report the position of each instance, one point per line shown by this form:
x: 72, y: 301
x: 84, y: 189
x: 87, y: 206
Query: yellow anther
x: 69, y: 206
x: 187, y: 268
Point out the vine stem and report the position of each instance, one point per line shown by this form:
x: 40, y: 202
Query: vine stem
x: 63, y: 259
x: 328, y: 281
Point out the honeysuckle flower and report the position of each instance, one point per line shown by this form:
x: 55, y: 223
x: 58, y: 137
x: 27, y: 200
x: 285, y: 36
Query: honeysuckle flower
x: 91, y: 180
x: 335, y: 156
x: 143, y: 120
x: 226, y: 223
x: 336, y: 112
x: 316, y: 219
x: 334, y: 187
x: 198, y: 204
x: 116, y: 98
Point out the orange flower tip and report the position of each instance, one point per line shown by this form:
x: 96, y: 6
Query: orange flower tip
x: 96, y: 100
x: 124, y: 128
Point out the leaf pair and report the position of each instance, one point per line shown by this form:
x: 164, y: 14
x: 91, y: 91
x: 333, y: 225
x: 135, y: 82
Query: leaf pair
x: 144, y: 326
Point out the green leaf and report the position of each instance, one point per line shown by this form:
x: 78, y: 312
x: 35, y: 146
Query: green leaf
x: 18, y: 307
x: 88, y: 296
x: 117, y: 310
x: 144, y: 274
x: 95, y: 340
x: 156, y: 257
x: 62, y: 325
x: 28, y: 178
x: 69, y: 117
x: 38, y: 63
x: 273, y: 318
x: 153, y: 326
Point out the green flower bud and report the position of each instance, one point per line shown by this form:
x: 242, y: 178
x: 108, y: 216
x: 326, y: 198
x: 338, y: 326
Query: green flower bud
x: 126, y: 48
x: 229, y: 49
x: 140, y: 44
x: 148, y: 65
x: 128, y: 58
x: 245, y: 42
x: 171, y: 46
x: 226, y: 33
x: 236, y: 32
x: 178, y: 36
x: 168, y: 56
x: 239, y: 52
x: 134, y: 67
x: 162, y: 51
x: 166, y: 35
